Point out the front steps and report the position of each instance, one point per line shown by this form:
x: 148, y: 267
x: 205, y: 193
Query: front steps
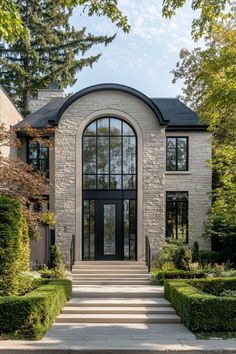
x: 115, y: 292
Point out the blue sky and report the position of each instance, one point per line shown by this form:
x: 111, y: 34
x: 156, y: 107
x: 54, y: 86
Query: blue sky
x: 143, y: 58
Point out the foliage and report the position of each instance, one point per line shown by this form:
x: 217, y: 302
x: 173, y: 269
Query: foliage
x: 11, y: 25
x: 48, y: 218
x: 183, y: 258
x: 31, y: 315
x: 57, y: 262
x: 208, y: 257
x: 53, y: 51
x: 202, y: 311
x: 210, y: 11
x: 209, y: 87
x: 166, y: 256
x: 18, y: 180
x: 228, y: 293
x: 195, y: 252
x: 159, y: 276
x: 108, y: 8
x: 14, y: 247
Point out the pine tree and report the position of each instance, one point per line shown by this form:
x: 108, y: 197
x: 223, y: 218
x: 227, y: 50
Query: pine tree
x: 53, y: 51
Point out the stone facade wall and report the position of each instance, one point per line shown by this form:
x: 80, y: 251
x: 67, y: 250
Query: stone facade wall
x: 151, y: 154
x: 197, y: 182
x: 43, y: 98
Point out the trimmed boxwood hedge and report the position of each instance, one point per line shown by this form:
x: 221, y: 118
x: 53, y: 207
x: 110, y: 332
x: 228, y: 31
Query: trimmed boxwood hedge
x: 31, y: 315
x: 200, y: 310
x: 159, y: 276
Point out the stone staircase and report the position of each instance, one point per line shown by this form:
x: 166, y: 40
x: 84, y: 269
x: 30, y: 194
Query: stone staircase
x: 115, y: 292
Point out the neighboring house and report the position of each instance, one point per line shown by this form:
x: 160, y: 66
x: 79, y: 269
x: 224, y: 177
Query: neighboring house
x: 9, y: 116
x: 123, y: 168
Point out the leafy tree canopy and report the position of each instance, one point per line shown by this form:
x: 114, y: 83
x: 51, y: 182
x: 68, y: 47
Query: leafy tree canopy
x: 12, y: 27
x: 210, y: 11
x: 210, y: 88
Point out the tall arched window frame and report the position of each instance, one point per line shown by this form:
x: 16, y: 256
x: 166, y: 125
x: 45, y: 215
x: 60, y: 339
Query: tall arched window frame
x: 109, y: 155
x: 109, y: 190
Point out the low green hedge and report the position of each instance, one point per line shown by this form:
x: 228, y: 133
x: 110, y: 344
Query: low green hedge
x: 159, y: 276
x: 31, y: 315
x: 200, y: 310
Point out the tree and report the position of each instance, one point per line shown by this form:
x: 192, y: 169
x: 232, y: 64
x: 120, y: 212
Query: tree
x: 18, y: 181
x: 11, y: 25
x: 53, y: 51
x: 209, y: 87
x: 210, y: 11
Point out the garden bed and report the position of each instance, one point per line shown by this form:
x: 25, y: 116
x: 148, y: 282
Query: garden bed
x: 199, y: 304
x: 31, y: 315
x: 159, y: 276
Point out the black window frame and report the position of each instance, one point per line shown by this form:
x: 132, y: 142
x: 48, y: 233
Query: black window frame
x: 46, y: 172
x: 177, y: 201
x: 38, y: 207
x: 176, y: 153
x: 109, y: 173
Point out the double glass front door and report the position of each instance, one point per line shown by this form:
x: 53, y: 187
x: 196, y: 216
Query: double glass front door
x: 109, y: 229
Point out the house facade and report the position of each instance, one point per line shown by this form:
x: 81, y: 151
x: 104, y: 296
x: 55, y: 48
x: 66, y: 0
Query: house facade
x: 124, y: 168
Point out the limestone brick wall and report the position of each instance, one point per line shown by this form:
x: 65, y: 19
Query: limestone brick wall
x: 197, y: 182
x: 151, y: 167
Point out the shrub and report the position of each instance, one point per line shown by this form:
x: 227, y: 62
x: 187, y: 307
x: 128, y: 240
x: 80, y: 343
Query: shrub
x: 159, y: 276
x: 14, y: 246
x: 183, y: 258
x: 208, y: 257
x: 195, y: 252
x: 31, y: 315
x: 200, y: 310
x: 167, y: 255
x: 57, y: 262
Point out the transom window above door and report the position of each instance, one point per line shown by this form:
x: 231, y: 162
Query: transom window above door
x: 109, y: 155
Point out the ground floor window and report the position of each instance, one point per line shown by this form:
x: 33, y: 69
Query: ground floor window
x: 177, y: 215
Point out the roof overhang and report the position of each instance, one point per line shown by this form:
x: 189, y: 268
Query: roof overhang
x: 113, y: 87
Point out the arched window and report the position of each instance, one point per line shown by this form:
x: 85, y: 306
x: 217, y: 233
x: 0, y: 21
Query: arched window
x: 109, y: 190
x: 109, y: 155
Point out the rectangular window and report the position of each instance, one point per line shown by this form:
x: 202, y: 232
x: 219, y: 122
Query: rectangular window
x: 176, y: 153
x: 41, y: 207
x: 38, y: 157
x: 177, y: 216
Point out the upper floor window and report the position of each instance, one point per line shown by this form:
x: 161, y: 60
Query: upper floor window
x: 176, y: 153
x: 38, y: 157
x: 109, y: 155
x: 177, y: 215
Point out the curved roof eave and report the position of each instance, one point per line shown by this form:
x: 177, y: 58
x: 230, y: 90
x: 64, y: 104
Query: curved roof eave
x: 112, y: 87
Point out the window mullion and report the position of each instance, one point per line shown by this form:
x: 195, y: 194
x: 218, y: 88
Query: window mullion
x: 177, y: 154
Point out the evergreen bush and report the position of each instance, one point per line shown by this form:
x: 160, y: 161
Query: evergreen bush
x: 14, y: 246
x: 197, y: 302
x: 31, y: 315
x: 195, y: 252
x: 183, y: 258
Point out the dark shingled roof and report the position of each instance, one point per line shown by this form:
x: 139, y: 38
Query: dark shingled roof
x: 176, y: 112
x: 41, y: 118
x: 176, y: 115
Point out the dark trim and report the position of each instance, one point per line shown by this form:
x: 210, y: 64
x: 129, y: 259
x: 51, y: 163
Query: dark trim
x: 176, y: 152
x: 28, y: 139
x: 190, y: 128
x: 113, y: 87
x: 176, y: 213
x: 109, y: 194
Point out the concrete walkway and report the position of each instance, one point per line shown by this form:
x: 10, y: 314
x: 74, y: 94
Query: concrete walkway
x: 119, y: 339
